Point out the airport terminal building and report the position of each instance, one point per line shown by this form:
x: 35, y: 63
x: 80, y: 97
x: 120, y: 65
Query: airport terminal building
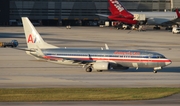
x: 71, y: 12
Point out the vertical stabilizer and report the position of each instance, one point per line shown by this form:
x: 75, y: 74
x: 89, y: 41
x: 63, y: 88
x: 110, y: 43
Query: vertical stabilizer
x: 177, y: 12
x: 33, y: 38
x: 117, y: 9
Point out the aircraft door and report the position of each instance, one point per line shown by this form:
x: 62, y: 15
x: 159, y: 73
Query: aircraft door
x: 90, y: 57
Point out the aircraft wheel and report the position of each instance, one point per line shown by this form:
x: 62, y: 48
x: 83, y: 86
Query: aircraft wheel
x: 155, y: 71
x: 156, y: 28
x: 99, y: 70
x: 89, y: 69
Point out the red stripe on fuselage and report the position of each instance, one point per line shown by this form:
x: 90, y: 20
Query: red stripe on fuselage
x: 110, y: 59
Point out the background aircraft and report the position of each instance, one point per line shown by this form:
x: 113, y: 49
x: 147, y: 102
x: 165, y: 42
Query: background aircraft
x: 90, y: 59
x: 119, y: 13
x: 161, y: 18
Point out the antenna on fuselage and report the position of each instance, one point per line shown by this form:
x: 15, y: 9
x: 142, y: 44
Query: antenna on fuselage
x: 106, y: 47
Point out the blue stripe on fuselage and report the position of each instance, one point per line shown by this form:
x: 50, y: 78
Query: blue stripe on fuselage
x: 102, y: 53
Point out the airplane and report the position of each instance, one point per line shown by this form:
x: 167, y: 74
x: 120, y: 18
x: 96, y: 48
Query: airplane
x: 91, y: 59
x: 119, y: 13
x: 161, y: 18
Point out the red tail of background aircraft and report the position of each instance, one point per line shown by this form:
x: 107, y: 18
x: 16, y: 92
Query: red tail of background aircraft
x: 119, y: 13
x: 177, y: 12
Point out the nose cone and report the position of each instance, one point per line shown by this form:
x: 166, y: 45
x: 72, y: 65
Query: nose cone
x: 168, y: 62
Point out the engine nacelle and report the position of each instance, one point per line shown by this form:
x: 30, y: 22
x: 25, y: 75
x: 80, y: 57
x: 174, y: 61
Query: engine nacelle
x: 101, y: 66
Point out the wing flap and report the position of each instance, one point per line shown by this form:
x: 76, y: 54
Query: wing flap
x: 69, y: 60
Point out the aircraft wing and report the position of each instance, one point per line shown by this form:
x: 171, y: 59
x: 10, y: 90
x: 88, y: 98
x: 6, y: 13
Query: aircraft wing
x: 25, y: 49
x: 69, y: 60
x: 39, y: 54
x: 170, y: 22
x: 75, y: 60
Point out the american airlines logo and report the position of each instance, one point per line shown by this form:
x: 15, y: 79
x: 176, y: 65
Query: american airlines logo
x: 31, y: 39
x: 117, y: 5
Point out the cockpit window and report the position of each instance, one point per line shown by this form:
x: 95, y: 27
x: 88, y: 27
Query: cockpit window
x: 154, y: 56
x: 158, y: 56
x: 161, y: 56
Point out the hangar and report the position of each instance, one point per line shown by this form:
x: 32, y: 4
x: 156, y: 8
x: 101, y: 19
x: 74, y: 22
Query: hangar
x: 71, y: 12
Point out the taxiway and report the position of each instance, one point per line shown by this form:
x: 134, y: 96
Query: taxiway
x: 19, y: 70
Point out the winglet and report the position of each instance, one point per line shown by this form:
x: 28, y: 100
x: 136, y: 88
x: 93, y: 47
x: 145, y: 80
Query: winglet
x: 106, y: 46
x: 177, y: 12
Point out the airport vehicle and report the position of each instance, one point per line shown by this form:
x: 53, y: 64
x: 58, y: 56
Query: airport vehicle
x: 97, y: 59
x: 13, y: 43
x: 176, y: 30
x: 119, y: 13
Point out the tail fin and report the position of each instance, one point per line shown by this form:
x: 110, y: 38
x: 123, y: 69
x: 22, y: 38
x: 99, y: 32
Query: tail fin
x: 33, y: 38
x: 117, y: 8
x: 177, y: 12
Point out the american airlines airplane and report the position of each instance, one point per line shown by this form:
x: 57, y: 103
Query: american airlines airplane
x: 119, y: 13
x: 90, y: 59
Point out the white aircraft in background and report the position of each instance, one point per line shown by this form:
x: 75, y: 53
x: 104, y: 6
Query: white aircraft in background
x: 119, y: 13
x: 90, y: 59
x: 161, y: 18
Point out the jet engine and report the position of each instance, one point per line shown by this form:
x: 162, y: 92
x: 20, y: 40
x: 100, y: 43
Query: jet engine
x: 101, y: 66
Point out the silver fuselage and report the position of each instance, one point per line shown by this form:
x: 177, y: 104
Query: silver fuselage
x: 126, y: 58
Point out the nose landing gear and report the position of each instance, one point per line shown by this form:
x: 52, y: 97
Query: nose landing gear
x: 155, y: 71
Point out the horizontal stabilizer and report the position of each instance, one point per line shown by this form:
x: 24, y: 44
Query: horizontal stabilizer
x: 39, y: 52
x: 25, y: 49
x: 103, y: 15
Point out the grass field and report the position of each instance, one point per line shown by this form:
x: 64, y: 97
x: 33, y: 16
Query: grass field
x: 84, y: 94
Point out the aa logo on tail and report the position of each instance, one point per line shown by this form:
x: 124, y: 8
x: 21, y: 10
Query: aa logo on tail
x: 31, y: 39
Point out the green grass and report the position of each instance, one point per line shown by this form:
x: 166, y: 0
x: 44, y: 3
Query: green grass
x: 84, y: 94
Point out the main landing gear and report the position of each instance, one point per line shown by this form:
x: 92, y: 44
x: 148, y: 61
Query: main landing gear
x: 88, y: 69
x: 156, y: 27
